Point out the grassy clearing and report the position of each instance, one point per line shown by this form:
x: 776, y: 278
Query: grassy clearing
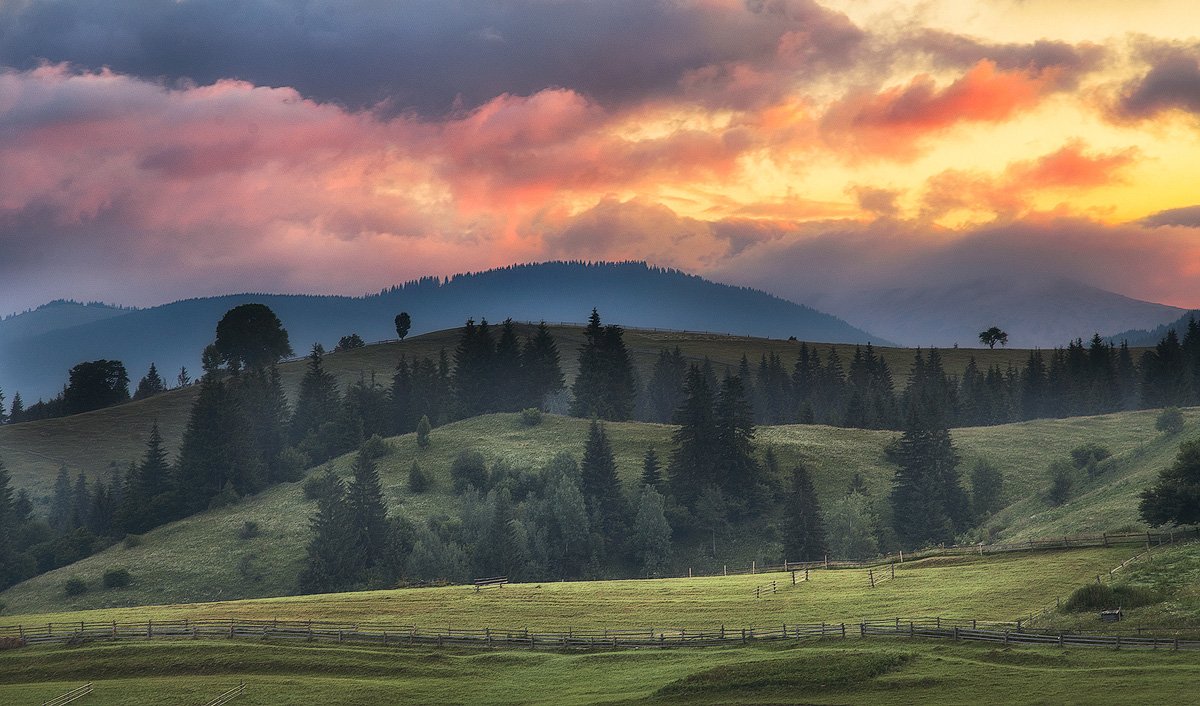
x: 885, y: 671
x: 202, y: 559
x: 1002, y: 587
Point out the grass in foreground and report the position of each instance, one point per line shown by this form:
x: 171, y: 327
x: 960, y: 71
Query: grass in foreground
x: 883, y: 671
x: 1001, y: 588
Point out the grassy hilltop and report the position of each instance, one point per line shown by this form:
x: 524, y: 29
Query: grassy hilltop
x: 202, y: 558
x: 93, y: 442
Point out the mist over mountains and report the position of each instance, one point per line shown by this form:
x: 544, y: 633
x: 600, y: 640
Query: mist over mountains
x: 38, y: 348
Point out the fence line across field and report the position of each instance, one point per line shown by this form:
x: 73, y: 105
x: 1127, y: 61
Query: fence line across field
x: 280, y: 630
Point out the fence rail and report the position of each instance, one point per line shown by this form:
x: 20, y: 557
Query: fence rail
x: 305, y: 631
x: 228, y: 696
x: 72, y: 695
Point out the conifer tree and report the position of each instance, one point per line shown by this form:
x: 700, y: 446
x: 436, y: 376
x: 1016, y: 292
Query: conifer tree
x: 664, y: 392
x: 929, y: 504
x: 150, y: 385
x: 17, y: 413
x: 600, y: 486
x: 260, y: 396
x: 317, y: 408
x: 606, y: 385
x: 367, y: 513
x: 474, y: 359
x: 804, y: 527
x: 423, y: 430
x: 1175, y: 498
x: 509, y: 389
x: 328, y: 564
x: 81, y: 503
x: 737, y: 471
x: 9, y: 573
x: 147, y: 502
x: 402, y: 398
x: 61, y: 502
x: 542, y: 367
x: 651, y: 469
x: 693, y: 461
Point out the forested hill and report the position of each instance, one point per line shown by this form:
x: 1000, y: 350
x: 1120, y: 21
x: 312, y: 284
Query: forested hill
x: 1142, y: 338
x: 630, y: 294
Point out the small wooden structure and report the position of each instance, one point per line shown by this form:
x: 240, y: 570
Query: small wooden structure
x: 493, y: 582
x: 1111, y: 616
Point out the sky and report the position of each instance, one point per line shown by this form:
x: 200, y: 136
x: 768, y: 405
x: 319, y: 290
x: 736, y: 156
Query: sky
x: 155, y: 150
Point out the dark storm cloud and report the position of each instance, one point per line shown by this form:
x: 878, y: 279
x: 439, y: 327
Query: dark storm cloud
x: 1069, y: 62
x: 424, y: 55
x: 1188, y: 216
x: 1172, y: 82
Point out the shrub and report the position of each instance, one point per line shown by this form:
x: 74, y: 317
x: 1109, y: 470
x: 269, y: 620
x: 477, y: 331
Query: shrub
x: 249, y: 569
x: 1097, y: 596
x: 75, y: 586
x: 228, y: 496
x: 376, y: 447
x: 132, y: 541
x: 1062, y: 480
x: 249, y: 530
x: 320, y: 486
x: 418, y: 482
x: 468, y: 469
x: 1089, y: 456
x: 1169, y: 421
x: 291, y: 464
x: 531, y: 417
x: 117, y: 577
x: 423, y: 429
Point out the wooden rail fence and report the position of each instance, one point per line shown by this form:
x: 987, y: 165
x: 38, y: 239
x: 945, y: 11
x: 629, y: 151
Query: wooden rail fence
x: 306, y: 631
x: 228, y: 695
x: 73, y: 694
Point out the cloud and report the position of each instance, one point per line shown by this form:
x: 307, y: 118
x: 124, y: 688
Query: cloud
x: 1172, y: 83
x: 1188, y: 216
x: 1063, y: 64
x: 892, y: 122
x: 425, y: 55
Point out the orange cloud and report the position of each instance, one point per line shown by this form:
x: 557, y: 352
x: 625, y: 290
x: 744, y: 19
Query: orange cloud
x: 892, y: 123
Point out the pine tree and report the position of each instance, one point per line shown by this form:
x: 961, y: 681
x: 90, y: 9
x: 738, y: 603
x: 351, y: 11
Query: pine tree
x: 651, y: 534
x: 737, y: 471
x: 1173, y: 499
x: 508, y: 389
x: 318, y: 405
x: 81, y: 503
x: 804, y: 527
x: 473, y: 381
x: 61, y: 502
x: 651, y: 469
x: 17, y: 414
x: 402, y: 398
x: 183, y: 379
x: 606, y: 385
x: 600, y: 486
x: 929, y: 504
x: 542, y: 367
x: 664, y: 392
x: 9, y: 573
x: 987, y: 488
x: 328, y: 564
x: 151, y: 385
x: 693, y: 461
x: 148, y: 502
x: 261, y: 398
x: 367, y: 513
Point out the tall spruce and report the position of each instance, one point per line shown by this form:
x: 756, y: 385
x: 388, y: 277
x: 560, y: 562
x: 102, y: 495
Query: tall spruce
x: 664, y: 391
x: 9, y: 572
x: 606, y: 385
x: 542, y: 367
x: 317, y: 405
x: 150, y: 385
x: 737, y: 471
x: 600, y: 485
x: 147, y: 501
x: 367, y: 513
x: 328, y: 565
x: 474, y: 392
x: 651, y: 533
x: 509, y: 388
x: 693, y: 461
x: 651, y: 469
x: 804, y: 526
x: 60, y: 501
x: 929, y: 505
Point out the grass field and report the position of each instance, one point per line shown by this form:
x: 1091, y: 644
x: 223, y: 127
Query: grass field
x: 202, y: 558
x: 97, y: 441
x: 829, y: 672
x: 995, y: 588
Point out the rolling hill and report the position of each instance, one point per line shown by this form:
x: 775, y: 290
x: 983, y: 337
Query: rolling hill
x: 202, y: 558
x: 35, y: 360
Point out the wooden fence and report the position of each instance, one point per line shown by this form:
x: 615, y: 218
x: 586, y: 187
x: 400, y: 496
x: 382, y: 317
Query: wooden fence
x: 314, y: 631
x: 76, y: 693
x: 228, y: 696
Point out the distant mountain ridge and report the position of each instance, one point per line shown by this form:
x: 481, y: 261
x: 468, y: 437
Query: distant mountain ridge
x: 61, y: 313
x: 1036, y: 312
x: 627, y: 293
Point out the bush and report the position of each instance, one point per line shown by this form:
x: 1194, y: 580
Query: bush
x: 132, y: 541
x: 75, y: 586
x: 531, y: 417
x: 117, y: 577
x: 423, y: 429
x: 249, y: 569
x: 1089, y: 457
x: 291, y: 464
x: 468, y: 469
x: 1097, y: 596
x: 228, y: 496
x: 418, y: 482
x: 1170, y: 421
x: 376, y: 447
x: 249, y: 530
x: 1062, y: 480
x: 319, y: 486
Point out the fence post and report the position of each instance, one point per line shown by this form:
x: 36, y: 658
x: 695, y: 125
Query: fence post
x: 806, y: 574
x: 843, y: 630
x: 893, y: 565
x: 754, y: 566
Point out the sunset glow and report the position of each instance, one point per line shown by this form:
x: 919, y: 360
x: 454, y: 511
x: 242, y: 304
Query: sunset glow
x: 870, y: 137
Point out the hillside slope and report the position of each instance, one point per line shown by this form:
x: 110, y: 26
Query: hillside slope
x: 631, y: 294
x: 202, y: 558
x: 92, y: 443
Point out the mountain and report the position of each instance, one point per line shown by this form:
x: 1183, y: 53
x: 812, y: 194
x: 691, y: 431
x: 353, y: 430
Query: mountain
x: 56, y: 315
x: 1035, y: 312
x: 629, y: 293
x: 1146, y: 338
